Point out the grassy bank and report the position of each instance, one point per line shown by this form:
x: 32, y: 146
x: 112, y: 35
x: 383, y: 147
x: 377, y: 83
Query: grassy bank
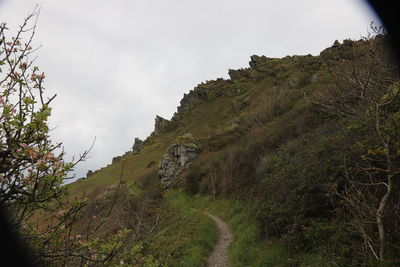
x: 247, y: 249
x: 185, y: 237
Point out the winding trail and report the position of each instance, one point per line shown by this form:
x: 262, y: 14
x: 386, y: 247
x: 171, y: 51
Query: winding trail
x: 219, y: 256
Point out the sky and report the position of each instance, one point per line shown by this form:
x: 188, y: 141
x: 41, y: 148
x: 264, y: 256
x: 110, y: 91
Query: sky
x: 115, y: 65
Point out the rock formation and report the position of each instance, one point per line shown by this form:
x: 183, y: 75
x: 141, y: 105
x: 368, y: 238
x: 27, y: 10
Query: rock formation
x: 89, y: 173
x: 257, y: 60
x: 138, y: 145
x: 203, y: 92
x: 239, y: 74
x: 178, y: 157
x: 160, y: 125
x: 115, y: 159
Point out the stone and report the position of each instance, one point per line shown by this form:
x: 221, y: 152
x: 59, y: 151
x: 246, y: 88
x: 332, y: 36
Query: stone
x: 201, y: 93
x: 89, y: 173
x: 177, y: 158
x: 160, y: 125
x: 239, y: 74
x: 138, y: 145
x: 257, y: 60
x: 115, y: 159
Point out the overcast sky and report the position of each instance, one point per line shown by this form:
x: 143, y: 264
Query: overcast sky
x: 115, y: 65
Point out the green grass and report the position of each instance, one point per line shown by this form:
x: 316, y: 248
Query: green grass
x: 247, y: 249
x: 185, y: 237
x: 132, y: 167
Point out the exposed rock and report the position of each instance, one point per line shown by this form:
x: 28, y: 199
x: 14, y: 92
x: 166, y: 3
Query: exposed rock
x: 202, y: 92
x: 177, y: 158
x: 336, y: 44
x: 239, y: 74
x: 115, y: 159
x: 127, y: 153
x: 160, y: 125
x: 138, y: 145
x: 256, y: 60
x: 191, y: 98
x: 89, y: 173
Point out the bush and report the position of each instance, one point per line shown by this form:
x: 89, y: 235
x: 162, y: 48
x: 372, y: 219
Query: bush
x: 194, y: 176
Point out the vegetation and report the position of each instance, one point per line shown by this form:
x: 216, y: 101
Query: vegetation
x: 300, y: 155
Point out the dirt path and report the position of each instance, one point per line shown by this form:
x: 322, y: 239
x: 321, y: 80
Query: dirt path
x: 219, y: 256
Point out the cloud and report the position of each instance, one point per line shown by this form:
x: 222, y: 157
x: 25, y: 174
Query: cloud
x: 116, y: 64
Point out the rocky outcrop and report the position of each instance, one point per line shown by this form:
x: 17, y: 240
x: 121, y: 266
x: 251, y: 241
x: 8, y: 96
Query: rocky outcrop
x: 117, y: 158
x: 256, y: 61
x: 203, y: 92
x: 138, y: 145
x: 177, y: 158
x: 160, y: 125
x: 235, y: 75
x: 89, y: 173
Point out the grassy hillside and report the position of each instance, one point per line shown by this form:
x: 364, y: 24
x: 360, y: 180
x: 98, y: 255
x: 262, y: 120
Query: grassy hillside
x: 294, y: 155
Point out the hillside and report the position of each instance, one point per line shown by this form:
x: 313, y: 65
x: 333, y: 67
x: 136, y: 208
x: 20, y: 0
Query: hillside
x: 297, y: 154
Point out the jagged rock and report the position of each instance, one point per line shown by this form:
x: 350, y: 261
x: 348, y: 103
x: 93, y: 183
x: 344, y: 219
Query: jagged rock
x: 127, y: 153
x: 177, y: 158
x: 256, y: 60
x: 89, y: 173
x: 238, y: 74
x: 115, y: 159
x: 138, y: 145
x: 160, y: 125
x: 233, y: 75
x: 202, y: 92
x: 190, y: 99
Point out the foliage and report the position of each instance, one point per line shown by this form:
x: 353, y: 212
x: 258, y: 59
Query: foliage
x: 32, y: 168
x: 366, y: 93
x: 185, y: 236
x: 32, y: 171
x: 247, y: 249
x: 307, y: 164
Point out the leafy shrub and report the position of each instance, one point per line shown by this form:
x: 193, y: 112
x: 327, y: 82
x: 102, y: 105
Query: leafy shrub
x: 295, y: 185
x: 194, y: 176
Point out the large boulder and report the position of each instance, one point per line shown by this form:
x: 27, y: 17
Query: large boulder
x: 177, y: 158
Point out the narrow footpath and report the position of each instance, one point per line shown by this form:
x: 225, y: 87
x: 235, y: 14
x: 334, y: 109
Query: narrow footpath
x: 219, y: 256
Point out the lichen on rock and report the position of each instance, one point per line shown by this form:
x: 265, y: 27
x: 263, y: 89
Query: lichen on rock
x: 178, y: 157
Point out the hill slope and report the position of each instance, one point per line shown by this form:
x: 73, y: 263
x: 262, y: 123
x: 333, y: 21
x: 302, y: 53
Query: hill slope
x: 297, y: 154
